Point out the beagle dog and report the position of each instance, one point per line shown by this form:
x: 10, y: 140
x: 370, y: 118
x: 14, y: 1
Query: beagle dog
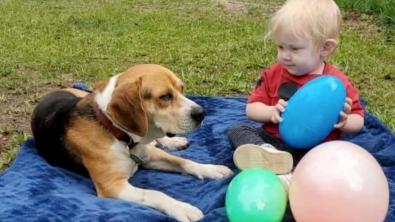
x: 107, y: 133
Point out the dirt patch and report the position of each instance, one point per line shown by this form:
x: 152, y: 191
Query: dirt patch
x: 18, y: 96
x: 15, y: 117
x: 248, y: 8
x: 20, y: 90
x: 360, y: 22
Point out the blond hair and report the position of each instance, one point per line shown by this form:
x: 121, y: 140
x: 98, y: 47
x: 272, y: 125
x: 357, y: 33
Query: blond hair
x: 317, y: 20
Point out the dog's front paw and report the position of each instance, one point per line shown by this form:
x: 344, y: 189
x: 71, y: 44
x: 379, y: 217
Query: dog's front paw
x: 211, y: 171
x: 184, y: 212
x: 174, y: 143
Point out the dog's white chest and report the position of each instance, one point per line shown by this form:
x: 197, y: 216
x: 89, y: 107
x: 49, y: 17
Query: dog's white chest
x: 122, y: 155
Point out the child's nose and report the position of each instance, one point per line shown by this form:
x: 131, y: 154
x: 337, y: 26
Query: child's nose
x: 285, y: 56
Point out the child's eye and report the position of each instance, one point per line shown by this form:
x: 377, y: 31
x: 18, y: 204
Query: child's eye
x: 279, y: 47
x: 295, y: 48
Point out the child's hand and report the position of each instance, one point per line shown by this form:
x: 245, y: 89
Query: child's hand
x: 344, y: 114
x: 279, y: 107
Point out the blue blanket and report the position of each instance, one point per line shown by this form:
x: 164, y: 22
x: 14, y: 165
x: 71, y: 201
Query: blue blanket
x: 31, y: 190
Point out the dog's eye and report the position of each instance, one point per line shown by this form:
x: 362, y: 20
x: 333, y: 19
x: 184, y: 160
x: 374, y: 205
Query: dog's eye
x: 166, y: 97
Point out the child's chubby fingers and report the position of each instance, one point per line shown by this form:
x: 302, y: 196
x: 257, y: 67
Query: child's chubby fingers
x: 343, y: 119
x: 338, y: 125
x: 349, y: 101
x: 347, y: 108
x: 276, y: 118
x: 347, y: 105
x: 343, y: 116
x: 282, y: 103
x: 280, y: 106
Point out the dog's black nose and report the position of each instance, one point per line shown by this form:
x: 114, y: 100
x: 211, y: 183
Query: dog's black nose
x: 198, y: 113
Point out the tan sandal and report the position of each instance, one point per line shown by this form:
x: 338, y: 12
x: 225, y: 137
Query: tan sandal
x: 251, y: 156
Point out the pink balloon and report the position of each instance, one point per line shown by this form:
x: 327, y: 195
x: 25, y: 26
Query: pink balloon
x: 339, y: 181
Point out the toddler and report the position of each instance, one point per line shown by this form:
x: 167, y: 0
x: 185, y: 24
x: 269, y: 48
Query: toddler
x: 306, y: 32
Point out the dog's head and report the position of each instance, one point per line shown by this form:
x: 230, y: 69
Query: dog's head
x: 148, y: 99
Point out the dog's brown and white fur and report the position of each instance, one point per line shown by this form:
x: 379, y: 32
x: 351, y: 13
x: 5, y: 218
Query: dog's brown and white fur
x: 145, y: 102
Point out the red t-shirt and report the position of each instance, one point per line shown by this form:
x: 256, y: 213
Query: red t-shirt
x: 275, y: 75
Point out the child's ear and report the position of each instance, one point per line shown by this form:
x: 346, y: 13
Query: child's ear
x: 329, y: 47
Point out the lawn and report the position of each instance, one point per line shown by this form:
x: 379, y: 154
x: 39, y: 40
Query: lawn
x: 216, y: 47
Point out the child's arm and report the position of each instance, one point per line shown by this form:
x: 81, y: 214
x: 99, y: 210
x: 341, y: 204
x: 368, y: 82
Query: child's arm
x: 354, y: 112
x: 259, y: 107
x: 260, y: 112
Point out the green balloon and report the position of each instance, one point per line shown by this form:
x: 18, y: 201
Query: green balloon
x: 256, y: 195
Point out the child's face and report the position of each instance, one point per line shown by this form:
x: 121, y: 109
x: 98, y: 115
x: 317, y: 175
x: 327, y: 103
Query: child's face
x: 298, y: 55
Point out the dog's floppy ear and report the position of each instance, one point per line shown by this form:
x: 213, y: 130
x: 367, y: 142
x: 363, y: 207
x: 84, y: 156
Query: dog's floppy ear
x: 126, y: 108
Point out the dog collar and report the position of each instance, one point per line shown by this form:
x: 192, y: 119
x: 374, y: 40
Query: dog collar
x: 119, y: 134
x: 136, y: 159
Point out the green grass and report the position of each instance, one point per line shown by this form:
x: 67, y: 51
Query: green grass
x: 215, y: 50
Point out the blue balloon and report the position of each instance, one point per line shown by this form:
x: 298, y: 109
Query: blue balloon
x: 312, y: 112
